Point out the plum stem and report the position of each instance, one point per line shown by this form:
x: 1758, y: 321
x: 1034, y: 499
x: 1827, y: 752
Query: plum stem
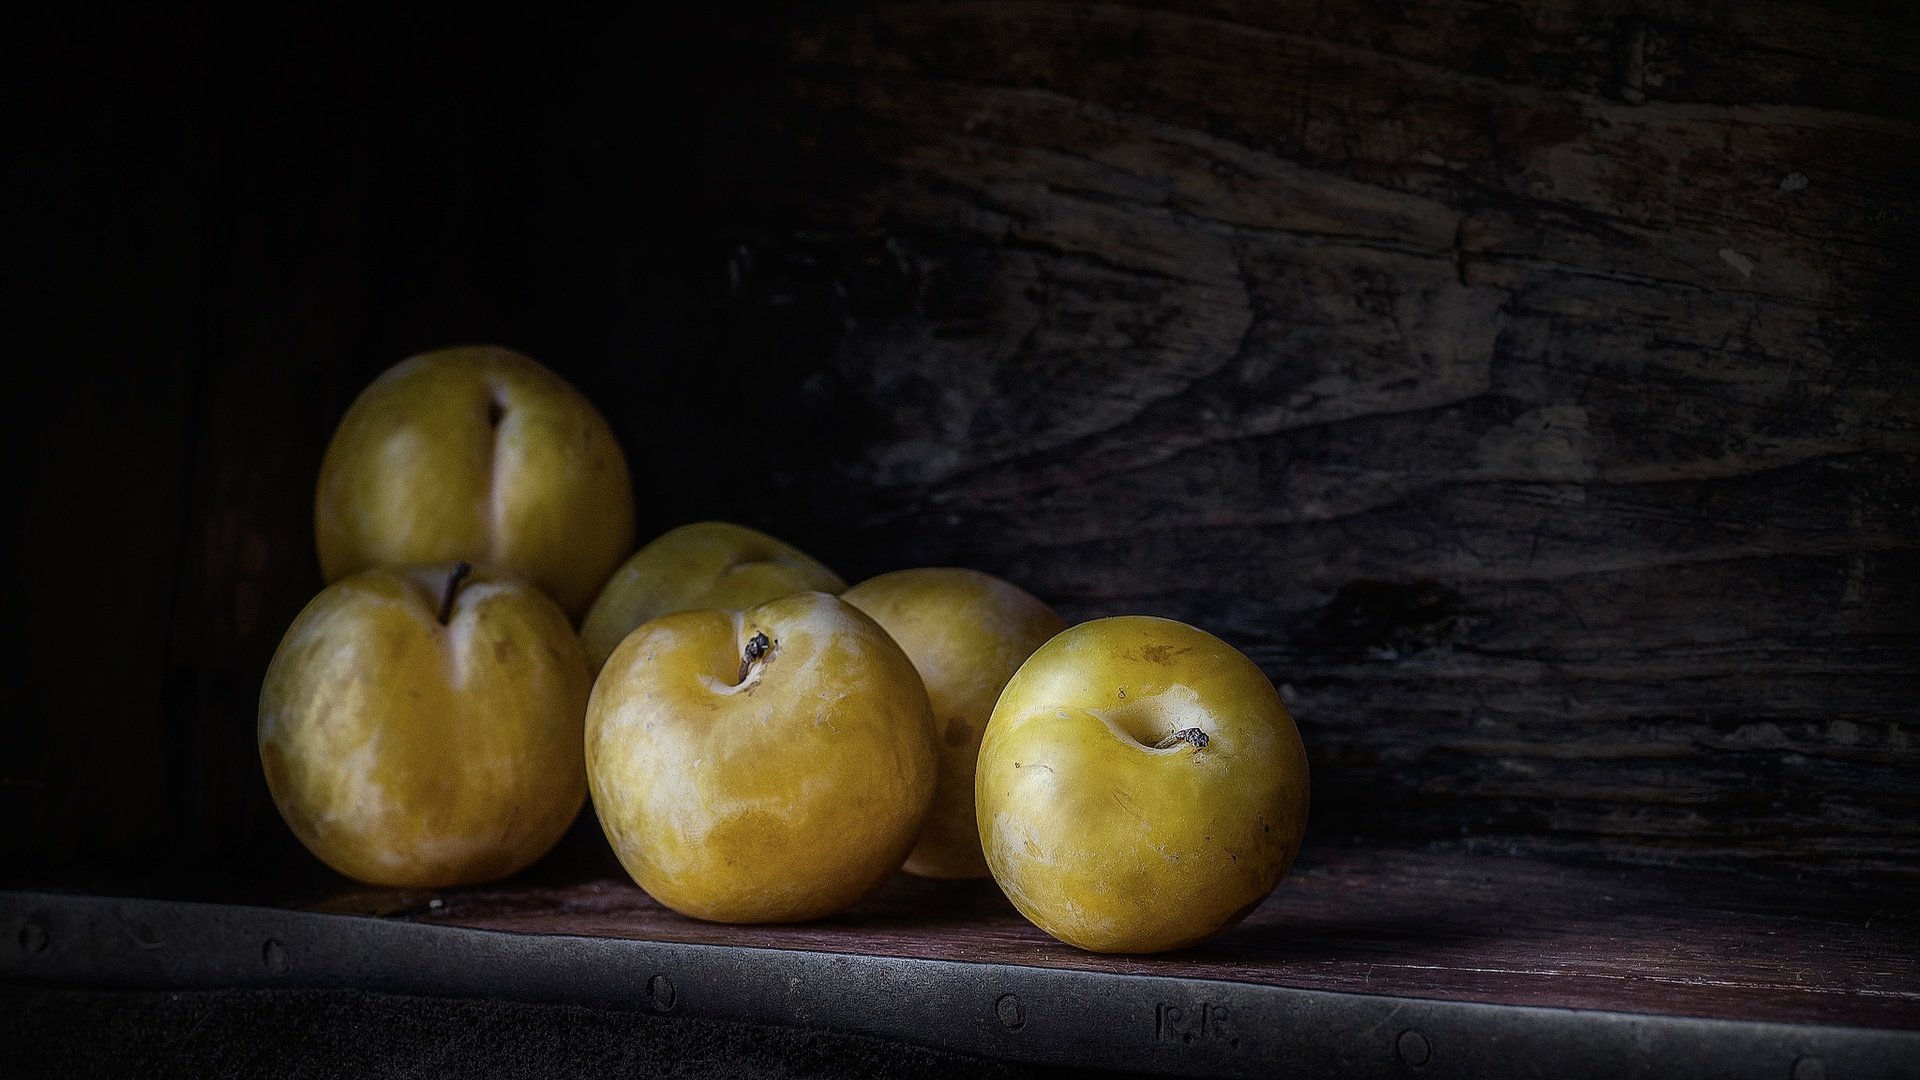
x: 757, y: 647
x: 458, y: 574
x: 1191, y: 735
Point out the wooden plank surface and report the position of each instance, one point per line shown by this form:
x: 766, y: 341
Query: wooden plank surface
x: 1424, y: 925
x: 1529, y: 388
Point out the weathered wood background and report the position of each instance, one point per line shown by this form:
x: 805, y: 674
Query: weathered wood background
x: 1530, y: 387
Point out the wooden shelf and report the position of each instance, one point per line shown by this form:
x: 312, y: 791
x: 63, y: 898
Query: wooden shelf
x: 1363, y: 961
x: 1447, y: 927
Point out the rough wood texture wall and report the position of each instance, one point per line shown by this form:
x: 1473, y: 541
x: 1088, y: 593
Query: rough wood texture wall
x: 1529, y: 387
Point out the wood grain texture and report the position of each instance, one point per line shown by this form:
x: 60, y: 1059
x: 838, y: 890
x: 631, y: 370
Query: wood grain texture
x: 1530, y: 389
x: 1452, y: 927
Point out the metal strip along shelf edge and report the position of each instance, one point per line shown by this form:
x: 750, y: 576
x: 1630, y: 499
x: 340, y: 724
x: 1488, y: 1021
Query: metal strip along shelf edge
x: 1028, y: 1014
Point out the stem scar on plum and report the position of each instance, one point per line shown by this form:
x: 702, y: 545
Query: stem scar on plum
x: 757, y: 648
x: 454, y: 578
x: 1192, y: 735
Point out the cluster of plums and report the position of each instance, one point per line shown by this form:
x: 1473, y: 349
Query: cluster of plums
x: 761, y: 743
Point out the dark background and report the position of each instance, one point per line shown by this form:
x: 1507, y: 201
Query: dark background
x: 1529, y: 388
